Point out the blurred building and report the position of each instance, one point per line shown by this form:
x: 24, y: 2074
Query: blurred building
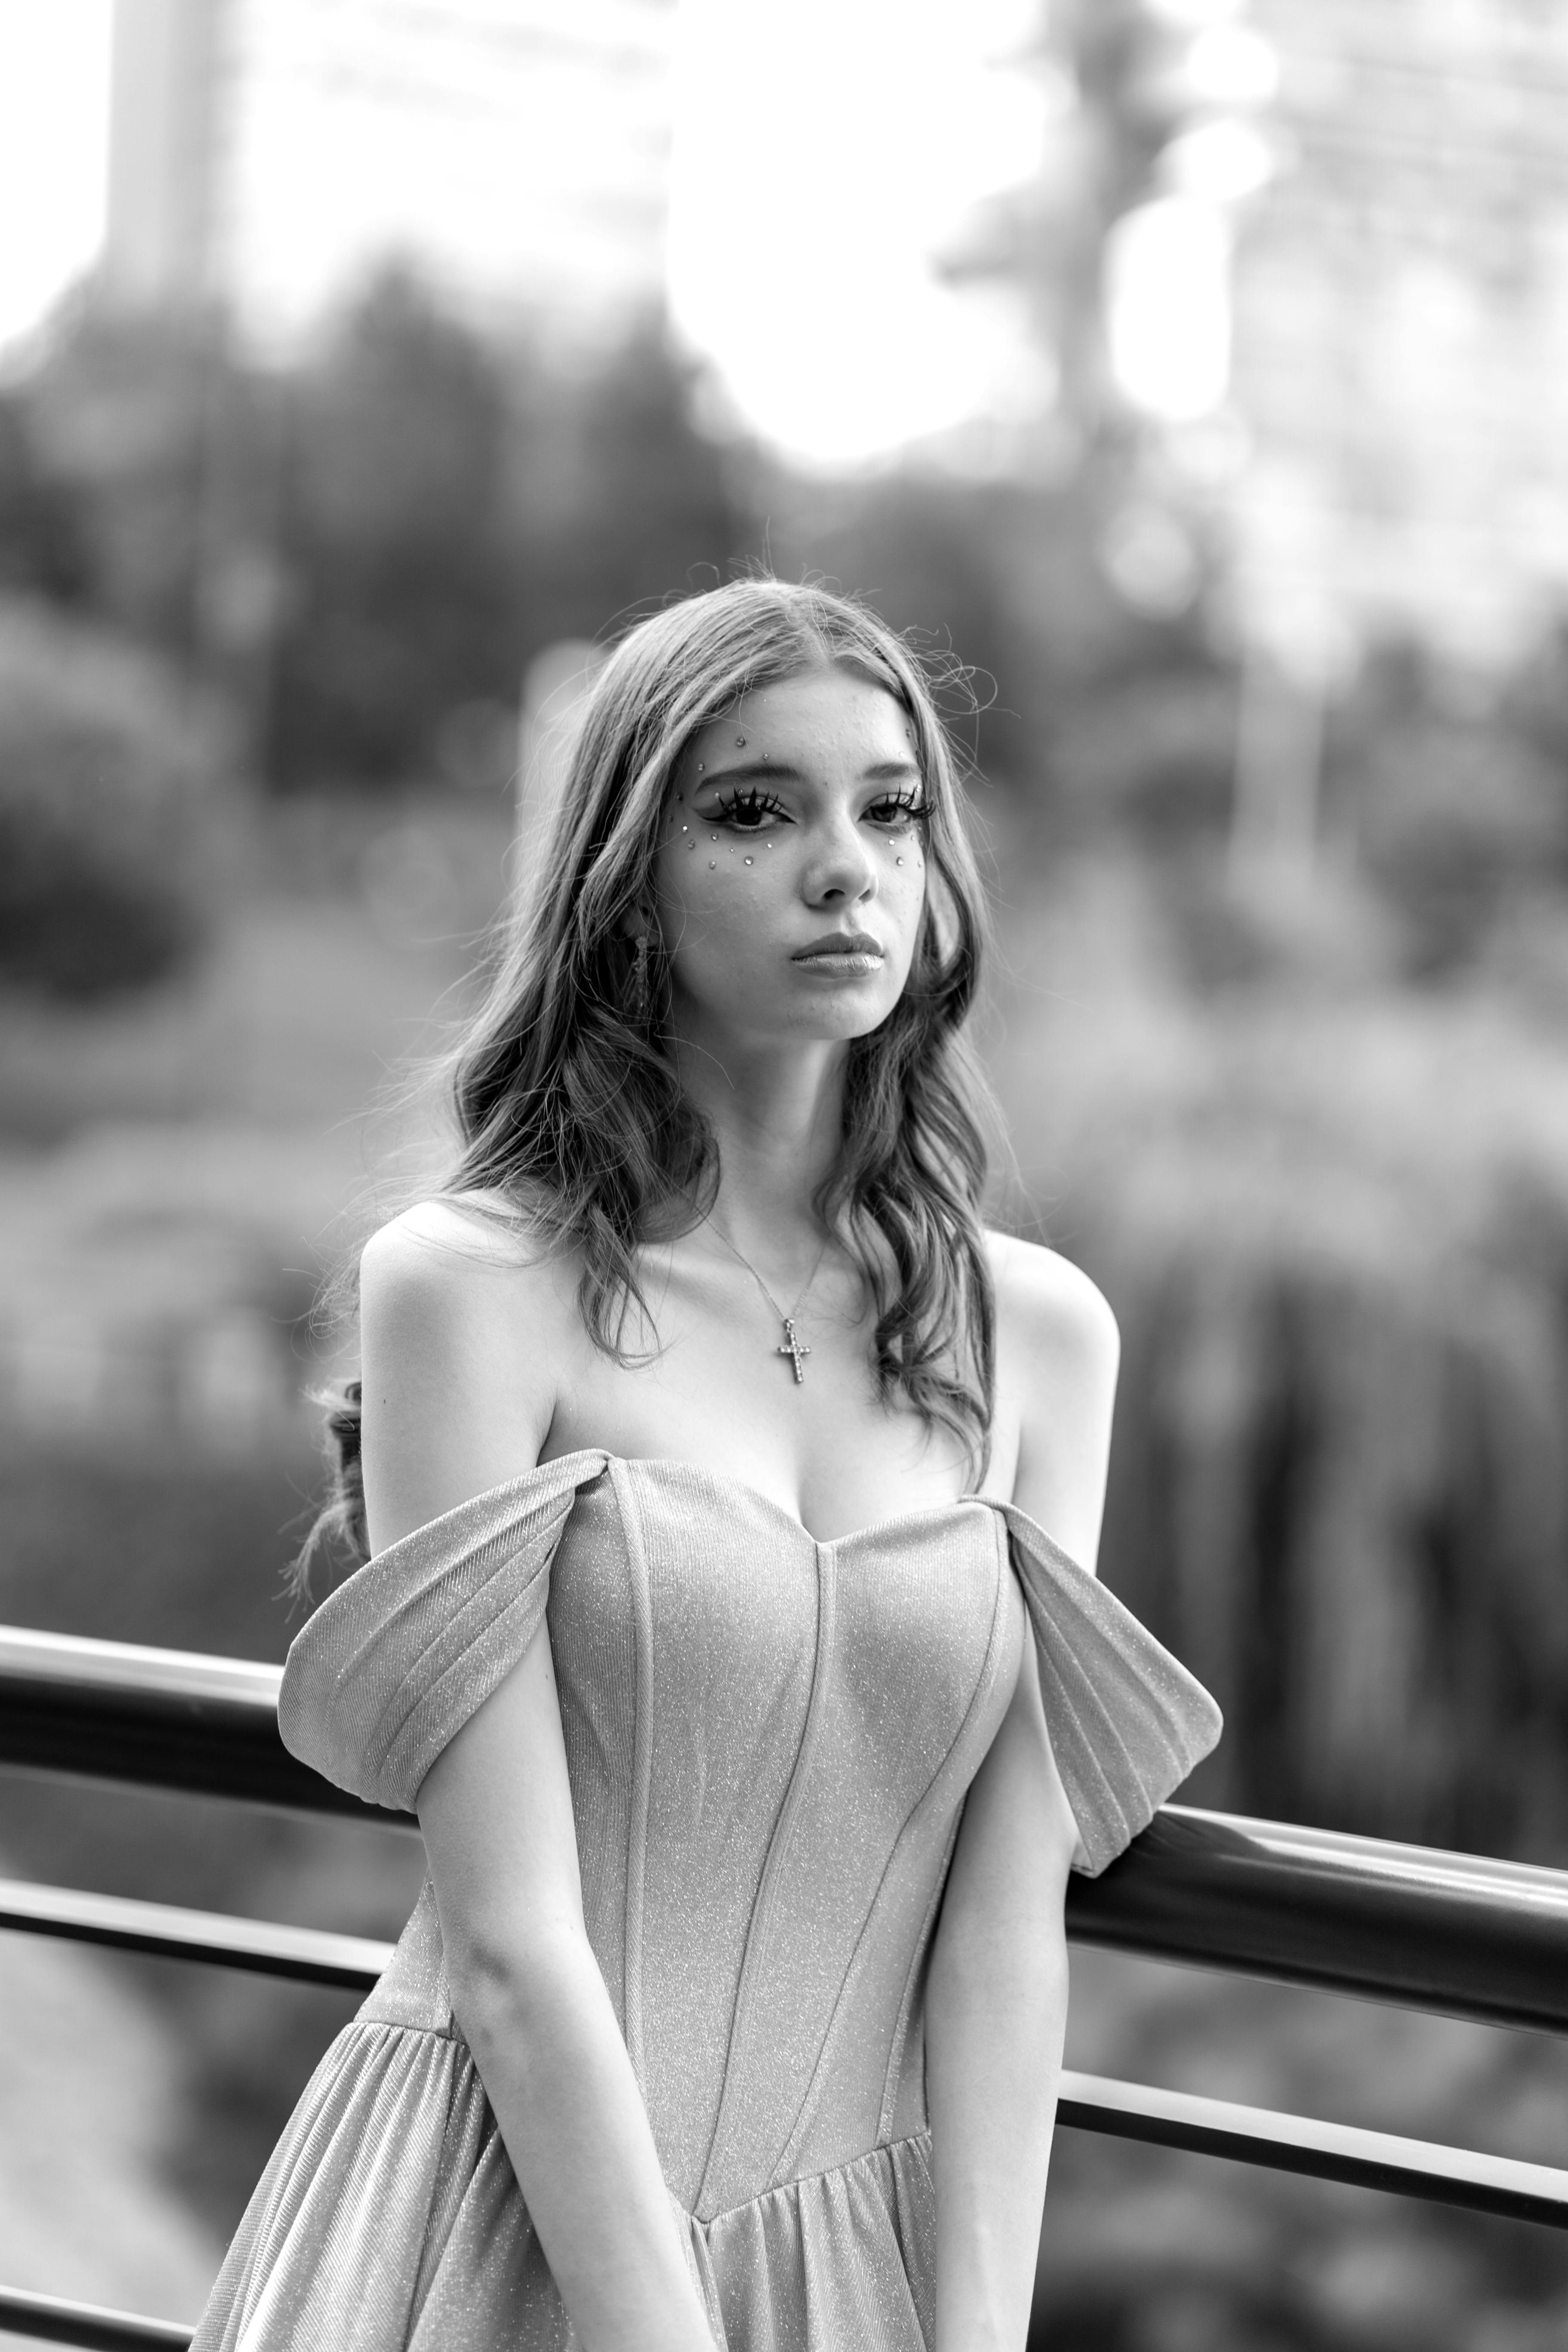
x: 270, y: 152
x: 163, y: 153
x: 1400, y: 331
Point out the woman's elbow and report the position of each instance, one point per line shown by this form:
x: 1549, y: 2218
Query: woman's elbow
x: 518, y: 1984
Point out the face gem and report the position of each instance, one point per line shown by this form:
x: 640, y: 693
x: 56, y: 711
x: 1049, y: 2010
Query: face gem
x: 750, y: 861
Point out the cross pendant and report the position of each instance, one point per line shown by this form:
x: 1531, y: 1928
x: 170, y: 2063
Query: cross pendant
x: 793, y: 1350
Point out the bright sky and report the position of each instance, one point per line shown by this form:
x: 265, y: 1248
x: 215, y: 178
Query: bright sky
x: 824, y: 150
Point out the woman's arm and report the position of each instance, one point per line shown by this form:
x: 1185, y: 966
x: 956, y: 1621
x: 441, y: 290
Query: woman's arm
x: 496, y: 1810
x: 460, y: 1348
x: 996, y: 1999
x: 996, y: 2012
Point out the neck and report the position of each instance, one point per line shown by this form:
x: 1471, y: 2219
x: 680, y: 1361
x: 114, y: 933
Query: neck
x: 777, y: 1114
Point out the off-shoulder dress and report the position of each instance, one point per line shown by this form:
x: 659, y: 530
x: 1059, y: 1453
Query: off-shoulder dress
x: 769, y: 1739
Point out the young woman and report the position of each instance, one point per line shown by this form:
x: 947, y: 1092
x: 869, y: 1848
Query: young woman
x: 723, y: 1484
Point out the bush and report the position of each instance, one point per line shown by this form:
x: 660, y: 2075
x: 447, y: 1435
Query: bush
x: 110, y: 807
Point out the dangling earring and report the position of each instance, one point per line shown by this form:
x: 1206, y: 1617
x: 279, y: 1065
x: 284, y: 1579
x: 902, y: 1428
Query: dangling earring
x: 639, y: 1004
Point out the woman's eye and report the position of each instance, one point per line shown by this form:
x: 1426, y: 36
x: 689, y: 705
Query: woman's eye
x: 897, y: 809
x: 748, y: 812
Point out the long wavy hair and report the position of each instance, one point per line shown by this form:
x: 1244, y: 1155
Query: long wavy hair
x: 569, y: 1108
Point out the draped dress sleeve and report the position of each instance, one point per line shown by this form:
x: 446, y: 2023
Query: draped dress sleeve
x: 1126, y: 1721
x: 395, y: 1661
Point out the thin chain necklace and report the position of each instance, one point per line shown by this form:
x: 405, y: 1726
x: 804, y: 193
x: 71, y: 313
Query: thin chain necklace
x: 792, y: 1347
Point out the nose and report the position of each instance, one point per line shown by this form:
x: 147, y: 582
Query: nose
x: 844, y: 873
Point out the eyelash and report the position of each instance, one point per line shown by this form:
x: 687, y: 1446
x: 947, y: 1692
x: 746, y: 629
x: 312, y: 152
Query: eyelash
x: 753, y: 806
x: 747, y: 810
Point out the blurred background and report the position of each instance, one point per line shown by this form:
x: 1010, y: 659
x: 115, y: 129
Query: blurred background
x: 1195, y: 373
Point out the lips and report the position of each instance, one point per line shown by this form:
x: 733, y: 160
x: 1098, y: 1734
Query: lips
x: 858, y: 949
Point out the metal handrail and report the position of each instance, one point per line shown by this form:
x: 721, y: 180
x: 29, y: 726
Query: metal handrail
x: 52, y: 2319
x: 261, y: 1946
x: 1373, y: 2159
x: 155, y: 1719
x: 1448, y: 1932
x: 1452, y: 1933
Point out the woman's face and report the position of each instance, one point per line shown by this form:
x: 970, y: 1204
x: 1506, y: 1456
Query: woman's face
x: 790, y: 879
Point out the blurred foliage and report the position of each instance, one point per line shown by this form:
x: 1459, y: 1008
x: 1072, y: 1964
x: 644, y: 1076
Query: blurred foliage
x: 112, y: 791
x: 115, y: 428
x: 367, y: 544
x: 1453, y: 809
x: 42, y: 546
x: 403, y: 584
x: 1331, y: 1212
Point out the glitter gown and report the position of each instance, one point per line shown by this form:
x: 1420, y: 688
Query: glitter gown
x: 769, y: 1740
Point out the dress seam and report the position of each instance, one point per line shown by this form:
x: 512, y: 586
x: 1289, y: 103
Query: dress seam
x: 892, y: 2080
x: 402, y: 2025
x: 642, y: 1769
x: 889, y: 2148
x: 778, y: 1846
x: 804, y: 2113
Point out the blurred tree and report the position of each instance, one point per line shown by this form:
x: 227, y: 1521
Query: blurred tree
x: 43, y: 547
x: 116, y: 417
x: 450, y: 507
x: 402, y: 595
x: 379, y: 539
x: 619, y: 500
x: 1535, y: 703
x: 110, y: 810
x: 1452, y: 809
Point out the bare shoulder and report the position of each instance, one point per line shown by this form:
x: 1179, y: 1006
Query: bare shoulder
x: 1057, y: 1351
x: 1051, y: 1308
x: 437, y: 1246
x: 463, y: 1321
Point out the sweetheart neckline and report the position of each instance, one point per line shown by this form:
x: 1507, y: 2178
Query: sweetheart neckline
x: 723, y: 1478
x: 781, y: 1510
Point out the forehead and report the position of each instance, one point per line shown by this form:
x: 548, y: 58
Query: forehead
x: 820, y: 712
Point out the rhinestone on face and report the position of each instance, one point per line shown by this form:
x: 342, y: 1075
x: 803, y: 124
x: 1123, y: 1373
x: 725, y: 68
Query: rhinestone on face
x: 750, y: 861
x: 713, y: 866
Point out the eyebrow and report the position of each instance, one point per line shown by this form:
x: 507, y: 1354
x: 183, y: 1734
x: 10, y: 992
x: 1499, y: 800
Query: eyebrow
x: 779, y: 771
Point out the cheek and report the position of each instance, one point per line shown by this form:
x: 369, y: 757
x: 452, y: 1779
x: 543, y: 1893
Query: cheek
x: 714, y: 885
x: 903, y: 869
